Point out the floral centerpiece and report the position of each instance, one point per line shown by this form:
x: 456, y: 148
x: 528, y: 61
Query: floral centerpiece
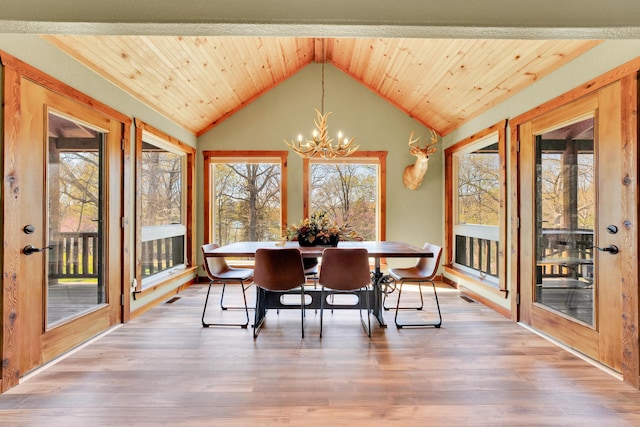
x: 318, y: 229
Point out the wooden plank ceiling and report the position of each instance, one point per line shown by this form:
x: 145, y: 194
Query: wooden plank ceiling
x: 199, y: 81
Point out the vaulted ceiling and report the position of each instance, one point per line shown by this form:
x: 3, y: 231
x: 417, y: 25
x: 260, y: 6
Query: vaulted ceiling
x: 198, y: 82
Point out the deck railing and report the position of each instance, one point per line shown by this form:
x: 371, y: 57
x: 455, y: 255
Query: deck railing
x: 74, y: 255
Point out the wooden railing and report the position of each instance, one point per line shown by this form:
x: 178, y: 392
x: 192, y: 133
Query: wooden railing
x: 74, y: 255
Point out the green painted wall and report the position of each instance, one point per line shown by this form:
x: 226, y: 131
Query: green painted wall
x: 287, y: 110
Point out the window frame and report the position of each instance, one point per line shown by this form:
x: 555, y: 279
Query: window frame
x: 143, y: 131
x: 210, y: 157
x: 371, y: 157
x: 464, y: 146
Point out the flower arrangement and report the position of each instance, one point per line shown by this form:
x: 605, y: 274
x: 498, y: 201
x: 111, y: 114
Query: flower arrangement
x: 318, y: 229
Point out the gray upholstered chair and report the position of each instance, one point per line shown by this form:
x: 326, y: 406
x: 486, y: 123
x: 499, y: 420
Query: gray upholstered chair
x: 424, y: 271
x: 219, y: 271
x: 346, y: 270
x: 277, y: 270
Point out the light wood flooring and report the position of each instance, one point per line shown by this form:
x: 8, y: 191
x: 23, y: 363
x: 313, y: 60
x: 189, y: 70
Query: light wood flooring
x: 164, y: 369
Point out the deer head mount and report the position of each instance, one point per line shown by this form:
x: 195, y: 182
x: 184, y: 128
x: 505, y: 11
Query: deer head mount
x: 413, y: 174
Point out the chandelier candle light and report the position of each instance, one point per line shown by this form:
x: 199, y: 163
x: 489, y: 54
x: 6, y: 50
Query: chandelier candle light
x: 320, y: 143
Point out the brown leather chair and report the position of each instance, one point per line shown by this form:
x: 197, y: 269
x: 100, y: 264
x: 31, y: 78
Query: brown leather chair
x: 424, y: 271
x: 346, y: 270
x: 277, y: 270
x: 220, y: 272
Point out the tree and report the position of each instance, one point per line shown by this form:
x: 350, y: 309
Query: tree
x: 247, y: 202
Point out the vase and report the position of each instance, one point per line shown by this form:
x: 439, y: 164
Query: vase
x: 302, y: 241
x: 333, y: 240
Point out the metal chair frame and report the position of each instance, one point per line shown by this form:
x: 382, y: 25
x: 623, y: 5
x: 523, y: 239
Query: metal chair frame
x: 424, y: 271
x: 222, y: 275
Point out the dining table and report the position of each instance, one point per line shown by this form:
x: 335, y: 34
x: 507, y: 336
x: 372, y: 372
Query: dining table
x: 377, y: 250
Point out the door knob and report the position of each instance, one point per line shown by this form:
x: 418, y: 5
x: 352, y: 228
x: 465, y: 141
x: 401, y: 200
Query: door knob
x: 29, y: 249
x: 612, y: 249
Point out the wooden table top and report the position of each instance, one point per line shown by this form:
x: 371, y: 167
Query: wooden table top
x: 376, y: 249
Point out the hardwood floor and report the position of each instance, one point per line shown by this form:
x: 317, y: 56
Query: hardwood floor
x: 163, y: 368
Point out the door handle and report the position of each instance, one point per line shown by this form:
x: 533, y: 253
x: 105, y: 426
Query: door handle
x: 29, y: 249
x: 612, y: 249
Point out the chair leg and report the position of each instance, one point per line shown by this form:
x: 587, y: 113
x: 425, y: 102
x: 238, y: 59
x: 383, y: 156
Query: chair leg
x: 322, y: 297
x: 259, y: 313
x: 224, y: 286
x: 367, y: 326
x: 204, y: 310
x: 246, y: 308
x: 398, y: 308
x: 302, y: 309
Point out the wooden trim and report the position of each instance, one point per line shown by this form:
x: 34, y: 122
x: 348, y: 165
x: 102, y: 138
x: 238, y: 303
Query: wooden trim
x: 154, y: 303
x: 381, y: 157
x: 257, y: 154
x: 126, y: 225
x: 514, y: 228
x: 591, y: 86
x: 10, y: 225
x: 37, y: 76
x: 485, y: 284
x: 629, y: 205
x: 190, y: 212
x: 500, y: 129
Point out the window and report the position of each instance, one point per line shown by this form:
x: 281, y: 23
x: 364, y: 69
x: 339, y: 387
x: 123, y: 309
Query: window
x: 245, y: 195
x: 163, y: 207
x: 351, y: 190
x: 476, y: 191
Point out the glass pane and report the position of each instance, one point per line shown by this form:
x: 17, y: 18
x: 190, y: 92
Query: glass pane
x: 348, y: 192
x: 74, y: 182
x: 247, y: 202
x: 161, y: 186
x: 161, y: 212
x: 479, y: 187
x: 565, y: 220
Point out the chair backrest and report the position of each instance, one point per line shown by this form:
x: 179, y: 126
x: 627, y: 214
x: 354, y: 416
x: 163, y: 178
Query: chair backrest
x: 278, y: 269
x: 429, y: 266
x: 345, y: 268
x: 214, y: 265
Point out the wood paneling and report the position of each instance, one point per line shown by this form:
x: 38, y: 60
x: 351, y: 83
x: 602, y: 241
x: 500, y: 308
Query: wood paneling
x: 200, y: 81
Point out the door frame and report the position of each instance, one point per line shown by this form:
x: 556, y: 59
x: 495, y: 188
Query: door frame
x: 13, y: 71
x: 627, y: 76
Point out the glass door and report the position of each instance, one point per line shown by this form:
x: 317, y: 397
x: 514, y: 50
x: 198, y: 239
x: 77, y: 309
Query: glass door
x: 570, y: 248
x: 75, y: 279
x: 565, y: 219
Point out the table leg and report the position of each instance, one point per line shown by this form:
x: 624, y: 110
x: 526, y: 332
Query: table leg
x: 377, y: 283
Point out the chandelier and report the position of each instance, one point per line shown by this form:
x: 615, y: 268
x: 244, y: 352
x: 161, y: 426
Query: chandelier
x: 320, y: 144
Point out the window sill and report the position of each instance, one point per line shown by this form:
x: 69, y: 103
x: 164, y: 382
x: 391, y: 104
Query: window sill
x: 171, y: 278
x: 477, y: 280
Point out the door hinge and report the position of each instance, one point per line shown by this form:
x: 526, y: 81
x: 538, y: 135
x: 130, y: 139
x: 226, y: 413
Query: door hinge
x: 122, y: 143
x: 517, y: 299
x: 123, y: 222
x: 122, y: 300
x: 517, y: 146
